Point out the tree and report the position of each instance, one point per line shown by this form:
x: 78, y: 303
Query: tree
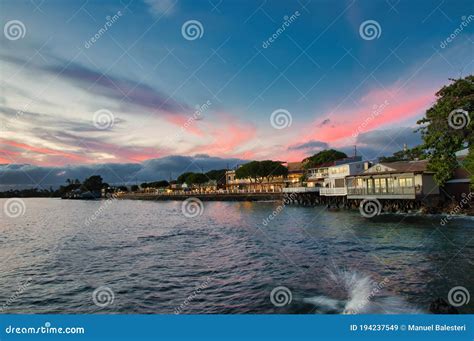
x: 218, y: 175
x: 196, y: 179
x: 469, y: 165
x: 446, y: 127
x: 182, y: 178
x: 415, y: 153
x: 159, y: 184
x: 93, y: 184
x: 258, y: 171
x: 323, y: 156
x: 134, y: 188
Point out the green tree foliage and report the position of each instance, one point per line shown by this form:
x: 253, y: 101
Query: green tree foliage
x: 258, y: 171
x: 441, y: 140
x: 196, y: 179
x: 323, y: 156
x: 134, y: 188
x: 155, y: 184
x: 93, y: 184
x: 218, y: 175
x: 182, y: 178
x: 469, y: 165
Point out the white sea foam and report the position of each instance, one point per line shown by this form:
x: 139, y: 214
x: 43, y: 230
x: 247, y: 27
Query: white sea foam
x: 363, y: 296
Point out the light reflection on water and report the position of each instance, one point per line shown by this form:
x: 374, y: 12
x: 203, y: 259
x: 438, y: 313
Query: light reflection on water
x: 154, y: 258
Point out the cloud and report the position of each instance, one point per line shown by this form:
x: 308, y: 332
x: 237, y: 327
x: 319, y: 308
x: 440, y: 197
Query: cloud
x: 324, y: 122
x: 386, y: 137
x: 309, y: 145
x: 28, y: 176
x: 377, y: 143
x: 161, y: 7
x: 116, y: 88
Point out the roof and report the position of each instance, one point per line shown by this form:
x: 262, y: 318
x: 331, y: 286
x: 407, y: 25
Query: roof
x: 295, y: 166
x: 407, y: 166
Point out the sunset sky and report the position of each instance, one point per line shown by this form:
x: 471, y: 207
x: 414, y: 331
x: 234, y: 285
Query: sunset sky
x: 126, y: 103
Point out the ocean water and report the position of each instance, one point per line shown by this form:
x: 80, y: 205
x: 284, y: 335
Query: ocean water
x: 124, y: 256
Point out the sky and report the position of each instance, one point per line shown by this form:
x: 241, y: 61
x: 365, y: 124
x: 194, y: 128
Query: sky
x: 143, y: 90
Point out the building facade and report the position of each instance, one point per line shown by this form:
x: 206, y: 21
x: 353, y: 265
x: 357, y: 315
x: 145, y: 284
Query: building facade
x: 395, y: 180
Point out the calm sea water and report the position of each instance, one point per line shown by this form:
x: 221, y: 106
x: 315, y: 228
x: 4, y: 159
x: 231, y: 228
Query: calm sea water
x: 153, y: 259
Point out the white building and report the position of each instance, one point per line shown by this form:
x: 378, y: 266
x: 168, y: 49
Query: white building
x: 335, y: 181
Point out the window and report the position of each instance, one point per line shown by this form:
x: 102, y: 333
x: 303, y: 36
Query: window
x: 409, y: 182
x: 402, y: 182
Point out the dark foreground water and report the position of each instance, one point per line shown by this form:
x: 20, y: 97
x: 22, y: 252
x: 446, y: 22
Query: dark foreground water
x: 150, y: 258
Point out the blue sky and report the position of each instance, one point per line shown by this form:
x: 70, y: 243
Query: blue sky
x: 145, y: 79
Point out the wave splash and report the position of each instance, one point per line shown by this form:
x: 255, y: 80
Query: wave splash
x: 362, y: 296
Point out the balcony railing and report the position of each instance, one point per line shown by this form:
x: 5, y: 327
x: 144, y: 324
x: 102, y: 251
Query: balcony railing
x: 382, y: 191
x: 300, y: 189
x: 333, y: 191
x: 318, y: 175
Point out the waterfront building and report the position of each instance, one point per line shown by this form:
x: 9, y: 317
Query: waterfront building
x: 334, y: 183
x: 295, y: 174
x: 315, y: 176
x: 394, y: 180
x: 234, y: 185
